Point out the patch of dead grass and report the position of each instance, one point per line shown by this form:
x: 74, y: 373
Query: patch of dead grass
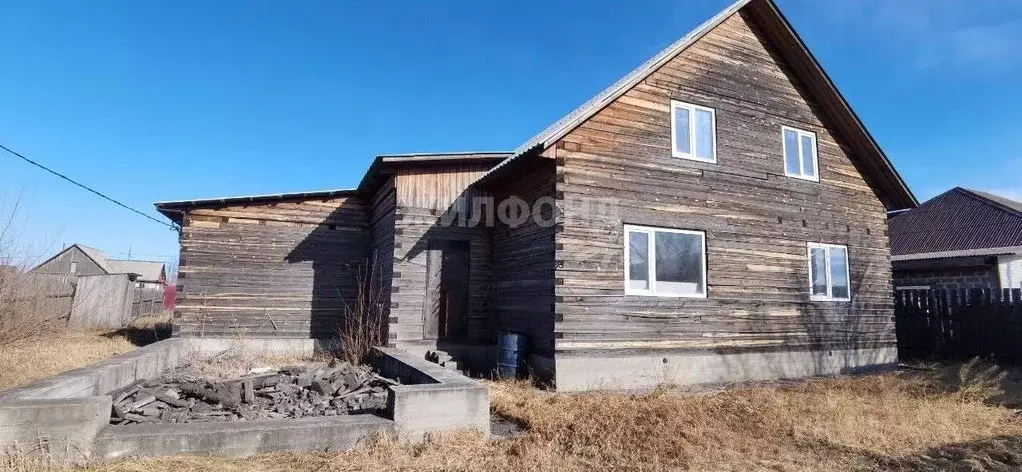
x: 24, y: 361
x: 238, y: 361
x: 881, y: 422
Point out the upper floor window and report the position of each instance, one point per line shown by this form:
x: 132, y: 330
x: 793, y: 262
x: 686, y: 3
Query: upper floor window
x: 828, y: 272
x: 665, y: 262
x: 800, y: 159
x: 74, y: 267
x: 693, y: 132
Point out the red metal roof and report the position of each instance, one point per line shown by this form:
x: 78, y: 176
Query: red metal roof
x: 957, y: 220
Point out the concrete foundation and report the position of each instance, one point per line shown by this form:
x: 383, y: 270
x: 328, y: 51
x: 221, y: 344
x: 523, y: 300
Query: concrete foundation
x: 437, y: 400
x: 71, y: 412
x: 593, y: 371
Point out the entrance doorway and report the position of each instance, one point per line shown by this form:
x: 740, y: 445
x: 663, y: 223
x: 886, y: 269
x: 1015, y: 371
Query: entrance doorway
x: 445, y: 313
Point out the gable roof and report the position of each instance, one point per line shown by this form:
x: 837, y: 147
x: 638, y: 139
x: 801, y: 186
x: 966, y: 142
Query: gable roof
x: 93, y: 254
x: 96, y: 255
x: 959, y: 222
x: 888, y: 184
x: 147, y: 271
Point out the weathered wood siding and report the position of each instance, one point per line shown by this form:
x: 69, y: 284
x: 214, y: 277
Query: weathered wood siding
x: 757, y: 221
x: 423, y: 196
x: 381, y: 251
x: 282, y: 269
x: 61, y: 264
x: 523, y: 260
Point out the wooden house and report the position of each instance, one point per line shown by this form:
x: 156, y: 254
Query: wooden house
x: 960, y: 239
x: 718, y: 214
x: 79, y: 260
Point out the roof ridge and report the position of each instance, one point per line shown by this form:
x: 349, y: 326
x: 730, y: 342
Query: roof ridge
x: 893, y: 185
x: 985, y: 198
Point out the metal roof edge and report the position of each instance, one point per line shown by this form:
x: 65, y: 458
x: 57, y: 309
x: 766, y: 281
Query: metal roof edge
x: 568, y: 122
x: 992, y: 251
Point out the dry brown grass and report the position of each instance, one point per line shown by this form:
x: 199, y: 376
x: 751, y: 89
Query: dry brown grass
x: 24, y: 361
x: 882, y: 422
x: 238, y: 361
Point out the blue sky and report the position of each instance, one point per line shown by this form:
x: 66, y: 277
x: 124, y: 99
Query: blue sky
x: 151, y: 101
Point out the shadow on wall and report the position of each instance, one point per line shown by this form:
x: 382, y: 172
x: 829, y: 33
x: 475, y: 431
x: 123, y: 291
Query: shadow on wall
x: 326, y: 270
x: 830, y: 332
x: 449, y: 239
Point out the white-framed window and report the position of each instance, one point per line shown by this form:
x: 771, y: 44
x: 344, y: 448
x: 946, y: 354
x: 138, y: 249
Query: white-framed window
x: 801, y: 159
x: 665, y: 262
x: 693, y: 132
x: 828, y: 272
x: 74, y: 267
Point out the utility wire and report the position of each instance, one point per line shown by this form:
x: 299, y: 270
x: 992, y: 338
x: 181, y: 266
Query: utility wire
x: 87, y: 188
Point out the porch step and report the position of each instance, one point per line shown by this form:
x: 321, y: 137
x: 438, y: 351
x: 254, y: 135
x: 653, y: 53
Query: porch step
x: 444, y: 359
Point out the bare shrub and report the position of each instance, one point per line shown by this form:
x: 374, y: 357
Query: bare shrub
x: 362, y: 323
x: 31, y: 305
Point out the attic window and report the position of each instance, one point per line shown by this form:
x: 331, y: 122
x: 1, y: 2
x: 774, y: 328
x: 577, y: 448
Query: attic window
x: 800, y: 157
x: 74, y: 267
x: 693, y: 132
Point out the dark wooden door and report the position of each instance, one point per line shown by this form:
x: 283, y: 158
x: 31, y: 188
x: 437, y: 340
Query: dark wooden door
x: 445, y: 313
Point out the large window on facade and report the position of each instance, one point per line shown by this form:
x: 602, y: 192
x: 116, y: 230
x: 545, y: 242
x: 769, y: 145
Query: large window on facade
x: 665, y: 262
x: 800, y: 153
x: 828, y: 272
x: 693, y: 132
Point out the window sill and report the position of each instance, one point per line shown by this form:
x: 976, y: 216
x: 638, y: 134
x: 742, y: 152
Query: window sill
x: 690, y: 157
x: 828, y: 299
x: 664, y: 295
x: 799, y: 177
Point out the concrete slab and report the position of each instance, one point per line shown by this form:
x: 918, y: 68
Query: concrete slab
x: 240, y: 439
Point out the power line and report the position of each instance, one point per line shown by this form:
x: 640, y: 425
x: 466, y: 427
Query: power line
x: 87, y: 188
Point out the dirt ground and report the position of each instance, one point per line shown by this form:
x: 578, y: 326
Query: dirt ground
x: 58, y: 351
x: 928, y: 417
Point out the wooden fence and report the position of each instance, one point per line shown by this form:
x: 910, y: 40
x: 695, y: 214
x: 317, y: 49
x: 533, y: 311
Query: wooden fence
x: 146, y: 301
x: 959, y: 323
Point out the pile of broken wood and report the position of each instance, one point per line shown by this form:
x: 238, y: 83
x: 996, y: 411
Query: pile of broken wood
x: 265, y: 393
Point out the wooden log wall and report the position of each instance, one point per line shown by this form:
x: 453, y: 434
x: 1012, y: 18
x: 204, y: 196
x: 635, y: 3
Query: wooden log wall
x: 757, y: 221
x: 381, y: 251
x: 283, y: 269
x: 423, y: 196
x: 523, y: 261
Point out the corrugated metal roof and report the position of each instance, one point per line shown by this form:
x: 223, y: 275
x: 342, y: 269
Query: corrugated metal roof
x: 147, y: 271
x: 97, y: 256
x: 965, y: 253
x: 957, y: 220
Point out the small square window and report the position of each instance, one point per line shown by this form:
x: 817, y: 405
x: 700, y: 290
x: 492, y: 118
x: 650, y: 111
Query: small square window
x: 800, y: 154
x: 828, y: 272
x: 693, y: 132
x: 665, y: 262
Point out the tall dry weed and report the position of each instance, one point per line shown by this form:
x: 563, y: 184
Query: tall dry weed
x: 362, y: 323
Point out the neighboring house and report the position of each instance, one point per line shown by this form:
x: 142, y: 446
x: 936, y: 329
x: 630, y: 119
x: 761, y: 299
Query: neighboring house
x: 79, y: 260
x: 718, y: 214
x: 960, y: 239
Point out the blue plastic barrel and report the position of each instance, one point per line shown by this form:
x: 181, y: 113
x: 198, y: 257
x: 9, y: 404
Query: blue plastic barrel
x: 511, y: 354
